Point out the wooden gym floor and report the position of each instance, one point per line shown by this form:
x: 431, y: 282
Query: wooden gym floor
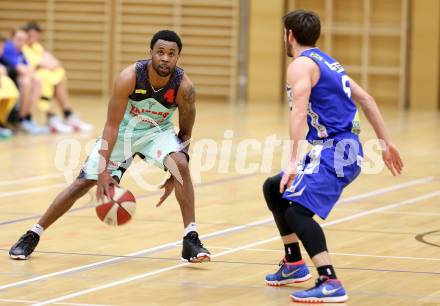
x: 384, y: 235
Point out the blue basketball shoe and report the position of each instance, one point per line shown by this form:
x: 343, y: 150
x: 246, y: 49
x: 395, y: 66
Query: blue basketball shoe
x: 296, y: 272
x: 325, y: 291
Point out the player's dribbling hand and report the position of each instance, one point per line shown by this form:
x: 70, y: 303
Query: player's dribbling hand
x: 168, y: 187
x: 288, y: 176
x: 392, y: 159
x: 103, y: 184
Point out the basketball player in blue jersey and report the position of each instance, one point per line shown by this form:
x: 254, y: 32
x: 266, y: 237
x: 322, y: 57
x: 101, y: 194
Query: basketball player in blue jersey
x: 320, y: 95
x: 144, y: 99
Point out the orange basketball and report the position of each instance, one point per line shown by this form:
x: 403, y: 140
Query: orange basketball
x: 117, y: 208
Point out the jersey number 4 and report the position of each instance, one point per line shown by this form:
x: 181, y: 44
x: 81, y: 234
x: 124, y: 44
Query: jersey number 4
x: 169, y: 95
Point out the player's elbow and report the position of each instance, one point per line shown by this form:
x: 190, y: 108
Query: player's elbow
x: 111, y: 126
x: 366, y: 100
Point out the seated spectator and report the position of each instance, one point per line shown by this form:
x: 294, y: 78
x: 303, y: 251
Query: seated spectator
x: 8, y: 96
x: 29, y: 83
x: 52, y: 74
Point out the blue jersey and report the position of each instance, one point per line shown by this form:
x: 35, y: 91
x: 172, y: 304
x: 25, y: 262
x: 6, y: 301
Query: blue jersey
x: 327, y: 169
x: 331, y: 111
x: 12, y: 56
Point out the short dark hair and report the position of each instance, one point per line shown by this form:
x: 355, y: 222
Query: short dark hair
x: 167, y: 35
x: 33, y: 25
x: 305, y: 26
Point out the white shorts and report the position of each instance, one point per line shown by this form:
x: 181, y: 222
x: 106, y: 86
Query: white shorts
x: 152, y: 147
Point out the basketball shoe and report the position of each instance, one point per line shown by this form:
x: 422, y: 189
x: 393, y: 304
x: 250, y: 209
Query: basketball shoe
x: 56, y: 125
x: 77, y: 124
x: 5, y: 133
x: 326, y: 290
x: 193, y: 250
x: 288, y: 273
x: 30, y: 127
x: 24, y: 247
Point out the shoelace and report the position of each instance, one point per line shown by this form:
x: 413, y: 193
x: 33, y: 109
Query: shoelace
x: 29, y: 237
x: 199, y: 243
x: 281, y: 264
x: 196, y: 239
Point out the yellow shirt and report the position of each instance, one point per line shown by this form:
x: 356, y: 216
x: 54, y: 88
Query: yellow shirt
x: 8, y: 90
x: 8, y: 97
x: 34, y: 54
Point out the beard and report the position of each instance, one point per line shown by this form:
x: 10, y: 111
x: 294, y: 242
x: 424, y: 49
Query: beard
x: 162, y: 70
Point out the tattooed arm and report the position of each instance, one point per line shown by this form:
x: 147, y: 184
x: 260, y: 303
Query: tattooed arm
x: 187, y: 109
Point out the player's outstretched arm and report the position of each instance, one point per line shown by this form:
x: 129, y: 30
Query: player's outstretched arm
x: 186, y: 98
x: 390, y: 154
x: 122, y: 88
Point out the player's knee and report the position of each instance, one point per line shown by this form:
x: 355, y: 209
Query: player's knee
x: 271, y: 191
x: 267, y: 192
x: 298, y: 217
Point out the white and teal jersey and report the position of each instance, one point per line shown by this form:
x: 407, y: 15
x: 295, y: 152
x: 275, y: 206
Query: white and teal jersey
x: 150, y: 110
x: 146, y: 129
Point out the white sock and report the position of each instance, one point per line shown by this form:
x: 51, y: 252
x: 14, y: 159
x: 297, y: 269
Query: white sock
x: 192, y: 227
x: 38, y: 229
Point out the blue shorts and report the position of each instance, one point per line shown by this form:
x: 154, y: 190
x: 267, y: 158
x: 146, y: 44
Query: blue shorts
x: 324, y: 173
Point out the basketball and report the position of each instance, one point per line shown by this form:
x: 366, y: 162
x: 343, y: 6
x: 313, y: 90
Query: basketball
x: 117, y: 208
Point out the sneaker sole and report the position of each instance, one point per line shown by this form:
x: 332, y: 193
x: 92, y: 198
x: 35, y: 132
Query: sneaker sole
x: 56, y: 131
x: 330, y: 299
x: 202, y: 257
x: 18, y: 257
x: 289, y: 281
x: 78, y: 129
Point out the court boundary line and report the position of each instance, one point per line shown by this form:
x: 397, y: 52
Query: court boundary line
x: 31, y: 178
x: 143, y: 196
x: 216, y: 181
x: 31, y: 190
x: 155, y: 272
x: 413, y: 182
x: 340, y: 254
x: 127, y: 256
x: 410, y: 183
x: 65, y: 303
x: 177, y: 243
